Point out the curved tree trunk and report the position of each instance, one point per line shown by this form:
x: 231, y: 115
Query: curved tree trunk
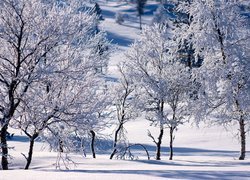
x: 113, y: 153
x: 30, y: 154
x: 137, y: 144
x: 115, y: 141
x: 158, y: 144
x: 4, y: 148
x: 242, y: 139
x: 93, y: 143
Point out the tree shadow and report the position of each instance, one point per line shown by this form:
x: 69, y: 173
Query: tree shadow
x: 115, y: 6
x: 19, y: 138
x: 108, y: 14
x: 187, y: 163
x: 150, y: 9
x: 119, y: 40
x: 185, y: 151
x: 130, y: 26
x: 178, y: 174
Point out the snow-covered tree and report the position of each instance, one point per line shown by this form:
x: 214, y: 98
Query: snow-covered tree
x: 125, y: 104
x: 80, y: 118
x: 220, y: 35
x: 163, y: 82
x: 40, y: 65
x: 72, y: 102
x: 119, y: 19
x: 22, y: 50
x: 101, y: 48
x: 160, y: 15
x: 165, y: 12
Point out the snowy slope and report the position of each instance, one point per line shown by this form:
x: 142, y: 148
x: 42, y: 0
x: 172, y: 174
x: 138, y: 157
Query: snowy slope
x: 200, y: 153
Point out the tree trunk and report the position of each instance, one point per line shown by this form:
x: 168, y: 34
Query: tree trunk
x: 93, y: 143
x: 242, y: 139
x: 113, y: 153
x: 140, y: 20
x: 4, y: 147
x: 115, y: 141
x: 60, y: 145
x: 171, y: 143
x: 30, y: 154
x: 158, y: 145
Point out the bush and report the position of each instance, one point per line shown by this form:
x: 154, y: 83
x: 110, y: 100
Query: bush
x: 119, y: 18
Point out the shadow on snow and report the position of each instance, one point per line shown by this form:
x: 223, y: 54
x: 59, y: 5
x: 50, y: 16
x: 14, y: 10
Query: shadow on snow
x: 187, y: 174
x: 119, y: 40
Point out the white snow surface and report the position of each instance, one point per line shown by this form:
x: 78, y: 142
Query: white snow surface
x: 199, y: 153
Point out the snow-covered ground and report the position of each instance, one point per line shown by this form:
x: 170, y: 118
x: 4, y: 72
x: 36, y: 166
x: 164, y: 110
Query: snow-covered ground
x: 200, y: 153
